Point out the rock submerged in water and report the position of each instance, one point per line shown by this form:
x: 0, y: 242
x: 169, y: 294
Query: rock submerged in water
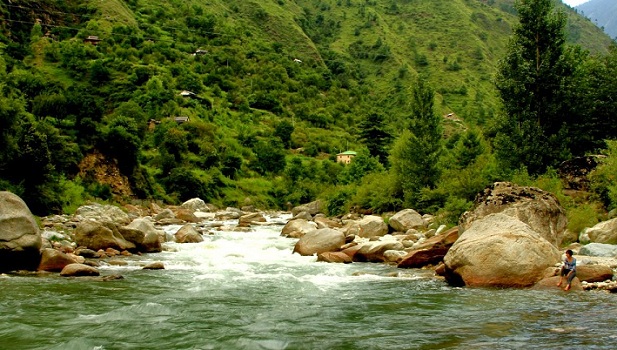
x: 73, y: 270
x: 157, y: 265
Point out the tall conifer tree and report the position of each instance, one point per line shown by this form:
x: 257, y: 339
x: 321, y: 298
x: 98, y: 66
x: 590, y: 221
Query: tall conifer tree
x: 532, y: 81
x: 375, y: 136
x: 416, y: 152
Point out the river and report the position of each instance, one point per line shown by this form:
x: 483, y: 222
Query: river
x: 246, y: 290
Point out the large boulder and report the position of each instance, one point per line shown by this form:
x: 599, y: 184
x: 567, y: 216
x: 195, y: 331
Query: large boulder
x: 188, y: 234
x: 334, y: 257
x: 195, y: 204
x: 251, y: 218
x: 594, y: 273
x: 430, y: 251
x: 599, y: 249
x: 20, y: 237
x: 297, y: 228
x: 165, y: 214
x: 229, y: 213
x: 54, y: 260
x: 375, y: 251
x: 603, y: 232
x: 103, y: 213
x: 98, y: 235
x: 537, y: 208
x: 74, y: 270
x: 372, y: 226
x: 152, y: 237
x: 323, y: 222
x: 319, y: 241
x: 551, y: 283
x: 147, y: 242
x: 312, y: 208
x: 186, y: 215
x: 499, y: 251
x: 406, y: 219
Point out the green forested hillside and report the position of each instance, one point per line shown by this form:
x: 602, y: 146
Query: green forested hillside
x: 247, y: 102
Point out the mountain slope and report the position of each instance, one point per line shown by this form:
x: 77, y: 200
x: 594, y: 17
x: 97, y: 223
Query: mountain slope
x: 603, y: 13
x: 262, y: 84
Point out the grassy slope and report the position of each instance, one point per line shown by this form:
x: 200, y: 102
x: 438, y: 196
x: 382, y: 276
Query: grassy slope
x: 471, y: 33
x: 460, y: 42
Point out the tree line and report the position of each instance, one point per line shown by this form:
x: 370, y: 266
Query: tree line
x: 265, y: 130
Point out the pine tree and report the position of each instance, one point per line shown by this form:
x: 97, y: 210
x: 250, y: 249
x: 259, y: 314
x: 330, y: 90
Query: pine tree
x: 375, y: 136
x: 416, y: 152
x: 532, y: 82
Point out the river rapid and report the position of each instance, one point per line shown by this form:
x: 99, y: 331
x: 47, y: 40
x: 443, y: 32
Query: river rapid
x: 246, y: 290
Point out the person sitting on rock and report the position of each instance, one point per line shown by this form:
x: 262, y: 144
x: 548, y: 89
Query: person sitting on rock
x: 568, y: 269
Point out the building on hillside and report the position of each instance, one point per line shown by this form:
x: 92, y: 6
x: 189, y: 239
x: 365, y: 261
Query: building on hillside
x: 92, y: 39
x: 186, y: 93
x: 345, y: 157
x: 200, y: 52
x: 181, y: 119
x: 152, y: 123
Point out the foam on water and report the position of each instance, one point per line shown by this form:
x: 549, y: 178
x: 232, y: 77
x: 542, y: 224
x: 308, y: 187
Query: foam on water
x: 246, y: 290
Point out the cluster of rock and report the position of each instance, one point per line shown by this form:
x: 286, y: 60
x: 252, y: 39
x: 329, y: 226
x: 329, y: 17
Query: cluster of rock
x: 512, y: 238
x: 406, y: 240
x: 75, y: 245
x: 608, y: 285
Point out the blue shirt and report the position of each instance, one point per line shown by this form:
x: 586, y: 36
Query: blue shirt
x: 569, y: 265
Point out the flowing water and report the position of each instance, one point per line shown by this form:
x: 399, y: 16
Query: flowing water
x: 248, y: 291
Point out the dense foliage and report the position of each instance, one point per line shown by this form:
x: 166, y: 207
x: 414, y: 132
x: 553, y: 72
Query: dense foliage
x: 248, y: 102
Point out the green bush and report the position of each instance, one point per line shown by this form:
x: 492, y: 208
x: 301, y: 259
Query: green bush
x: 186, y: 183
x: 604, y: 177
x: 378, y: 191
x: 73, y: 195
x: 339, y: 202
x: 100, y: 191
x: 452, y: 210
x: 582, y: 216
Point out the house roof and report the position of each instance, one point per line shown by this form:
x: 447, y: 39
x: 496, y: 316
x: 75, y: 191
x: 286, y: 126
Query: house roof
x: 347, y: 153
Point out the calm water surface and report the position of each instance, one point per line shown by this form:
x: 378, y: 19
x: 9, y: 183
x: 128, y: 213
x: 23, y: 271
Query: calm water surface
x: 247, y: 291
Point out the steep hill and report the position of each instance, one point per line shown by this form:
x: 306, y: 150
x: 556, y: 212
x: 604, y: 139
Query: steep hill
x: 259, y: 82
x: 603, y: 13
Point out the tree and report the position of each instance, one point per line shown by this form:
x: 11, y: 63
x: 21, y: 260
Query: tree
x: 270, y: 157
x: 120, y: 140
x: 595, y: 104
x: 283, y: 130
x: 374, y: 135
x: 416, y: 152
x: 532, y: 81
x: 361, y: 165
x: 467, y: 149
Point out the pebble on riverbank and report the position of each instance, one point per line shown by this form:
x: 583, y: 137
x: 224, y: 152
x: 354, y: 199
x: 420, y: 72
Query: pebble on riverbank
x: 608, y: 286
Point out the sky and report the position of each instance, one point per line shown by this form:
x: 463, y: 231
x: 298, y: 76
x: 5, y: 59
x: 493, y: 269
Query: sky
x: 573, y: 3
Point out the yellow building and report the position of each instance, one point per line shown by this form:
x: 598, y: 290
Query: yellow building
x: 345, y: 157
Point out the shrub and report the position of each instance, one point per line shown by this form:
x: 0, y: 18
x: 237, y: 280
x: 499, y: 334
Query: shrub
x: 339, y: 202
x: 604, y: 177
x: 73, y: 195
x: 582, y: 216
x: 378, y: 192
